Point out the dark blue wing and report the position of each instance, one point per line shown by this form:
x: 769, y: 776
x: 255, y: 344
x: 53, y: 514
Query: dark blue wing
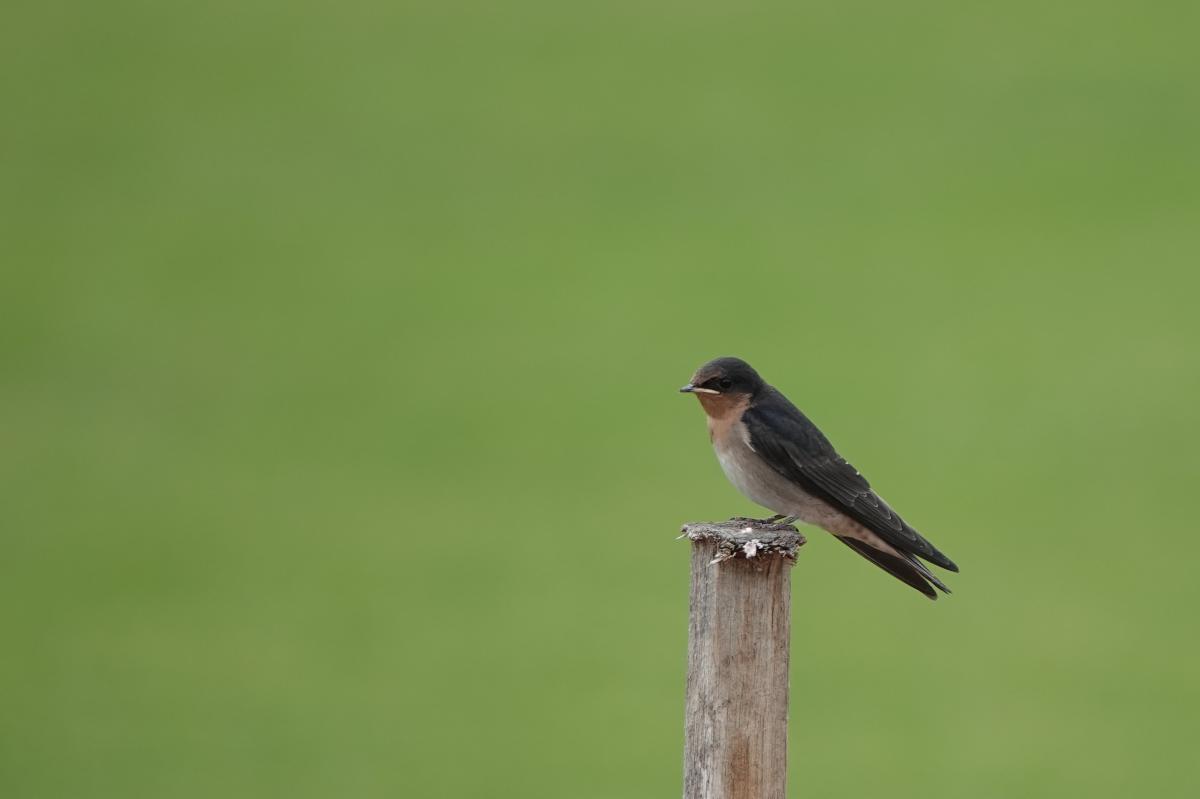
x: 794, y: 447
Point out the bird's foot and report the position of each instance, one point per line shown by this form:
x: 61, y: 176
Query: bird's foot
x: 769, y: 522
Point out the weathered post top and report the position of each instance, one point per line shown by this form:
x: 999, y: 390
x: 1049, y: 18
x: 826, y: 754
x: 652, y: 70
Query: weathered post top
x: 739, y: 629
x: 746, y: 538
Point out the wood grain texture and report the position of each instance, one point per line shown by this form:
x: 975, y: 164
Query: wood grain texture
x: 737, y: 684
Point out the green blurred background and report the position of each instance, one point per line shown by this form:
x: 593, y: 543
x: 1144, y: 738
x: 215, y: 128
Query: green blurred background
x: 341, y: 452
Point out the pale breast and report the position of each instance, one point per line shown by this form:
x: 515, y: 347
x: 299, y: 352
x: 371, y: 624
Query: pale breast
x: 755, y: 478
x: 749, y: 473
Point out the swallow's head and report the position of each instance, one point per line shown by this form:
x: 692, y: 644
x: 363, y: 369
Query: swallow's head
x: 723, y: 382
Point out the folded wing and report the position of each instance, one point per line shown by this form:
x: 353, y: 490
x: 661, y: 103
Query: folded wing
x: 794, y: 447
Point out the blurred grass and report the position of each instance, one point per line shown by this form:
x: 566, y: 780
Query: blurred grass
x: 341, y: 453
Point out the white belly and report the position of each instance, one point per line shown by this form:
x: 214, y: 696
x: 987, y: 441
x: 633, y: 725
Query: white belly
x: 751, y: 475
x: 758, y: 481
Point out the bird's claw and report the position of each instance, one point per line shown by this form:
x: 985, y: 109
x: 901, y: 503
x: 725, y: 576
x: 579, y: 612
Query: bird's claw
x: 769, y: 522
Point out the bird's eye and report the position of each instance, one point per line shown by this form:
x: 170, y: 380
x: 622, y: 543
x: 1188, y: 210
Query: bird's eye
x: 726, y: 382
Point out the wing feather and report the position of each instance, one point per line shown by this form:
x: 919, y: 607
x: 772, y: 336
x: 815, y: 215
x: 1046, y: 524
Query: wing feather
x: 795, y: 448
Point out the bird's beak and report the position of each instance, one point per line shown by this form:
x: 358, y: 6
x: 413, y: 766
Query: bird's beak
x: 690, y: 389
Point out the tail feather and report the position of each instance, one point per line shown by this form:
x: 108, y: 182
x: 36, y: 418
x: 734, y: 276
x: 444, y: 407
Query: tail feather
x: 920, y: 546
x: 927, y: 574
x: 907, y: 569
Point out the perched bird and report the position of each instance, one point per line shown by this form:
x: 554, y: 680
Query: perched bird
x: 775, y: 456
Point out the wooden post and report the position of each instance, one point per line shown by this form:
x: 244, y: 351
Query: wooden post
x: 735, y: 740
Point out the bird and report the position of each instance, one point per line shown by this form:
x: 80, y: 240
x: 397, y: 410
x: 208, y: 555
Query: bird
x: 774, y: 455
